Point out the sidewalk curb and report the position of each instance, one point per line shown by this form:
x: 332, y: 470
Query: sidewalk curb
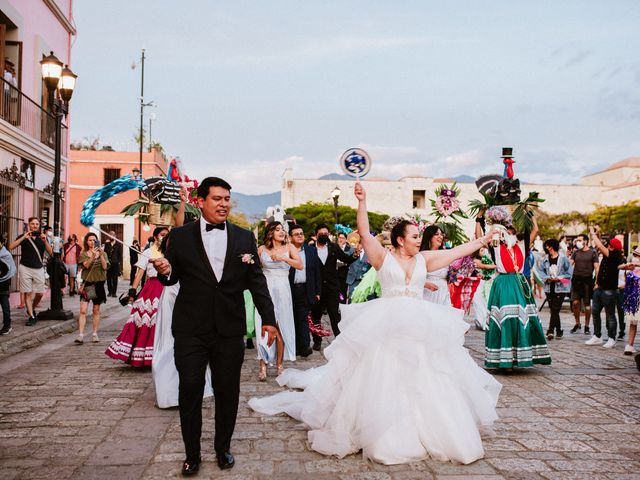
x: 49, y: 330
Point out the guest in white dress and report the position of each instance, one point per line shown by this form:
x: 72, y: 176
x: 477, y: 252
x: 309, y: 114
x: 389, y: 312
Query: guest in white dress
x: 399, y: 384
x: 277, y: 256
x: 436, y: 285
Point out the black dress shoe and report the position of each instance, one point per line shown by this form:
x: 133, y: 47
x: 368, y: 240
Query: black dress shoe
x: 225, y: 460
x: 250, y: 343
x: 306, y: 353
x: 191, y: 467
x: 317, y: 346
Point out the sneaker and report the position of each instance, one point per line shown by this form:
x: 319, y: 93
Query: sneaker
x: 32, y: 321
x: 587, y: 331
x: 628, y: 349
x: 95, y: 338
x: 549, y: 335
x: 594, y: 341
x: 610, y: 343
x: 5, y: 330
x: 576, y: 327
x: 559, y: 334
x: 79, y: 340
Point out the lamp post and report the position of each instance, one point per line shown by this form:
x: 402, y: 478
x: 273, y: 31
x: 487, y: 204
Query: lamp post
x: 60, y: 82
x: 336, y: 196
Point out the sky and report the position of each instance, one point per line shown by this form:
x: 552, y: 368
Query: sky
x: 245, y: 89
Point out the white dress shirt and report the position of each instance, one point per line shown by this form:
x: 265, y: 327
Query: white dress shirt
x: 300, y: 276
x: 215, y: 244
x: 323, y: 253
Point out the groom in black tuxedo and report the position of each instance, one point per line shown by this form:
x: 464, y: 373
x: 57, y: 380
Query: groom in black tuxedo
x: 214, y: 261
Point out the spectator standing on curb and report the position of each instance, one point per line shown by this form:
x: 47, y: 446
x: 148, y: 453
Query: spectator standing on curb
x: 585, y: 263
x: 7, y: 271
x: 33, y: 243
x: 71, y: 256
x: 604, y: 294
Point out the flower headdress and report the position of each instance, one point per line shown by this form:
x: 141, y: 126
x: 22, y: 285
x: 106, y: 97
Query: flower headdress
x: 448, y: 214
x: 498, y: 215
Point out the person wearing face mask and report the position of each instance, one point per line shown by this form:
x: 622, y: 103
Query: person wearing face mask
x: 134, y: 345
x: 585, y: 262
x: 555, y: 272
x: 515, y: 337
x: 329, y: 253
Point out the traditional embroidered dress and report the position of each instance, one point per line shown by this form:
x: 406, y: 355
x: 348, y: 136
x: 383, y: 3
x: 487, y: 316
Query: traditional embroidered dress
x: 515, y: 337
x: 134, y: 345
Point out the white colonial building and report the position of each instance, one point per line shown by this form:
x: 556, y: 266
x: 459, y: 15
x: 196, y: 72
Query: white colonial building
x: 618, y: 184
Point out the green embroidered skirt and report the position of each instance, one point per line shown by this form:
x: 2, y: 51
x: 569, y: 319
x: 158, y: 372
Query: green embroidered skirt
x: 515, y: 337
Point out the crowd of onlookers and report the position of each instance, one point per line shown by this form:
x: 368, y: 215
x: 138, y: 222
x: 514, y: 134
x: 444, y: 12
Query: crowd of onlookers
x: 89, y: 267
x: 591, y: 273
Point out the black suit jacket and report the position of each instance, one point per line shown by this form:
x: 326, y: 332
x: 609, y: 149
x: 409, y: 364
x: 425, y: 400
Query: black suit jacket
x: 114, y: 254
x: 313, y: 286
x: 204, y: 302
x: 329, y: 271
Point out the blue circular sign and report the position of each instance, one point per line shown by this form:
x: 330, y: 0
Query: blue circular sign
x: 355, y: 162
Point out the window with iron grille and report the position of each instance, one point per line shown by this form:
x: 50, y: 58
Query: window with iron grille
x: 110, y: 174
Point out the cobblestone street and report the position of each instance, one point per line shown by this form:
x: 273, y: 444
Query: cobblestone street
x: 67, y: 411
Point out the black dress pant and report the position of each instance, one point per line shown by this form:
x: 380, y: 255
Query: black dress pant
x: 112, y: 280
x: 301, y: 309
x: 555, y: 304
x: 225, y: 356
x: 328, y: 300
x: 344, y: 288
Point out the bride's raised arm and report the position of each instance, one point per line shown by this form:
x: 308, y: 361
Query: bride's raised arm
x: 375, y: 252
x: 437, y: 259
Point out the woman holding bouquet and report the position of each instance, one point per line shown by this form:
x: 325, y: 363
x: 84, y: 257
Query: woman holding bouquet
x: 515, y: 337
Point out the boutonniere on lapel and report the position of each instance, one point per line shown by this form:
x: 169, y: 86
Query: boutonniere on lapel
x: 247, y: 258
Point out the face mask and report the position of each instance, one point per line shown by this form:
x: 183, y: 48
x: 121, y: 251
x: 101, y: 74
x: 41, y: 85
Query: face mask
x: 323, y: 239
x: 579, y: 245
x: 510, y: 240
x: 49, y: 233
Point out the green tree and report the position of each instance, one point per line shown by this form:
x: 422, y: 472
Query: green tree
x: 310, y: 214
x: 623, y: 218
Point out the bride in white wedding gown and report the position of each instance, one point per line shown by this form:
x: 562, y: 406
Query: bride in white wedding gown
x: 399, y: 384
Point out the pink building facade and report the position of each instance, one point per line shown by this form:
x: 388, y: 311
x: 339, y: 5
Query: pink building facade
x: 29, y: 29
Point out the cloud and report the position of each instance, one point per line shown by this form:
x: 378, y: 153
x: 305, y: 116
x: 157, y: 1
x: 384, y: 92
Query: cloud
x: 340, y: 46
x: 577, y: 58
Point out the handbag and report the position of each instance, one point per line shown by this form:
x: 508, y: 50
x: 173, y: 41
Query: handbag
x: 88, y: 292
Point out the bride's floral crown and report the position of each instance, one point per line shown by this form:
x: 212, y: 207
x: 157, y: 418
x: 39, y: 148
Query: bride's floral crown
x: 391, y: 223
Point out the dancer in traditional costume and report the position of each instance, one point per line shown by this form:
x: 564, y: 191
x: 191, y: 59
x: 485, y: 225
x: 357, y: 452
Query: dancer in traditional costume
x: 515, y: 337
x: 134, y: 345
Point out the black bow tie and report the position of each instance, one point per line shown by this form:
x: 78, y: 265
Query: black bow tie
x: 211, y: 226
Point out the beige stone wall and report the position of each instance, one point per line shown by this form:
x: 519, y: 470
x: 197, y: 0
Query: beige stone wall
x: 395, y: 197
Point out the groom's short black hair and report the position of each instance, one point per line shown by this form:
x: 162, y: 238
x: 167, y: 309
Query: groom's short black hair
x: 207, y: 183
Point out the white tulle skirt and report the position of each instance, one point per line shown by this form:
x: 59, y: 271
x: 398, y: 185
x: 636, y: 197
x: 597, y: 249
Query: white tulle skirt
x: 163, y: 366
x: 399, y: 385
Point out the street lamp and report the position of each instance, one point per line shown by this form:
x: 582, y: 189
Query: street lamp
x: 336, y: 196
x: 60, y: 82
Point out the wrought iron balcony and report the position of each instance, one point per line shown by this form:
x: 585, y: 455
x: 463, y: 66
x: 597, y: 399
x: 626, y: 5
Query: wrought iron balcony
x: 22, y: 112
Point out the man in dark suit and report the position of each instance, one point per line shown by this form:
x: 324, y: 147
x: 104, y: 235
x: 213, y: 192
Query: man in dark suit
x: 329, y: 254
x: 305, y: 288
x: 114, y: 253
x: 343, y: 270
x: 214, y: 261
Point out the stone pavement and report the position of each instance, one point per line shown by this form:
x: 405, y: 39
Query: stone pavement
x: 68, y: 411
